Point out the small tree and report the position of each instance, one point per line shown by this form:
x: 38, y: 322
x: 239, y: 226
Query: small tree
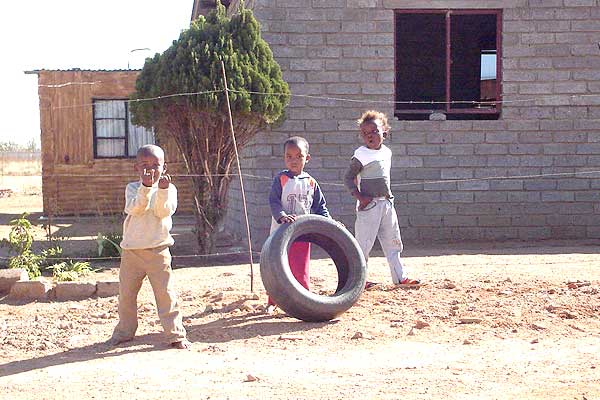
x: 198, y: 123
x: 19, y: 242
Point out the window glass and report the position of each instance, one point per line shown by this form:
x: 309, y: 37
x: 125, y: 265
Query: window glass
x: 114, y: 133
x: 110, y: 128
x: 470, y: 35
x: 109, y: 109
x: 421, y: 61
x: 110, y: 148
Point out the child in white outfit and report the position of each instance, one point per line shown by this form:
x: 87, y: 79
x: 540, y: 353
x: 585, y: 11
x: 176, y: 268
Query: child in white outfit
x: 368, y: 180
x: 149, y: 205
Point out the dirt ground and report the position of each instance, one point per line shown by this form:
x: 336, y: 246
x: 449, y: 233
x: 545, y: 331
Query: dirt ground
x: 502, y: 321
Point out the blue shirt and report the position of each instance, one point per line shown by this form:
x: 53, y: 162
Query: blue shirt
x: 297, y: 195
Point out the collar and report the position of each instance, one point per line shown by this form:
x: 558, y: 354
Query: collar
x: 302, y: 175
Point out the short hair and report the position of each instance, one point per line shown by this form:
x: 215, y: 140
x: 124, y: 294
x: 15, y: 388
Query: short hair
x: 372, y: 116
x: 297, y: 141
x: 151, y: 150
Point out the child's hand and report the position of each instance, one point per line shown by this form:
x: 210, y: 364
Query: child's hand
x: 164, y: 181
x: 148, y: 177
x: 363, y: 201
x: 341, y: 223
x: 287, y: 219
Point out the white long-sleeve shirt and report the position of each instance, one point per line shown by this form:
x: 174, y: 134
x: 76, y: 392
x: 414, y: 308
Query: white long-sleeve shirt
x: 148, y: 219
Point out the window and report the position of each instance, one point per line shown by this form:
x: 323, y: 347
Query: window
x: 448, y: 61
x: 114, y: 133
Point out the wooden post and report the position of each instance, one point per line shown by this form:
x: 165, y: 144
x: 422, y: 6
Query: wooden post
x: 237, y: 157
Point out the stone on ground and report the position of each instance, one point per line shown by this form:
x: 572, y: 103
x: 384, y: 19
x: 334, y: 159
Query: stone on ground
x: 9, y: 276
x: 107, y: 289
x: 29, y: 290
x: 74, y: 290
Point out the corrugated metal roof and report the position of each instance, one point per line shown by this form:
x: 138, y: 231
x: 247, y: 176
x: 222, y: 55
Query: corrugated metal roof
x: 37, y: 71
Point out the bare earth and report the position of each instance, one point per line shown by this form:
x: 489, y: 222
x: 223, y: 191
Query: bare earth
x: 504, y: 321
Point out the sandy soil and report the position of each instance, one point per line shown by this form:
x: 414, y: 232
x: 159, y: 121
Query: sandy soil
x: 505, y: 321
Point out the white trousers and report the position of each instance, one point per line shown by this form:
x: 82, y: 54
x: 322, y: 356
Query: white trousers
x: 380, y: 221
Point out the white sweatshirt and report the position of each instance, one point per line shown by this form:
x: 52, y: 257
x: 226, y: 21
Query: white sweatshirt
x: 148, y: 222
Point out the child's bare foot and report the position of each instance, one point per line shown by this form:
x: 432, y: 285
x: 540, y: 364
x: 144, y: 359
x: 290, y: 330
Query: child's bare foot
x: 115, y: 341
x: 181, y: 344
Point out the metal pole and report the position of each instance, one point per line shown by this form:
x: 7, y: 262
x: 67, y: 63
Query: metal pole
x: 134, y: 50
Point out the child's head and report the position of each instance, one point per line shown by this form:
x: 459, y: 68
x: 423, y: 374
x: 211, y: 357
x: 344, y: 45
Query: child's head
x: 150, y: 157
x: 374, y: 128
x: 295, y: 153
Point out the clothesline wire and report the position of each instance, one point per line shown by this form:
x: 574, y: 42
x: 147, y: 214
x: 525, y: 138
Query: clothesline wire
x: 224, y: 254
x: 329, y: 98
x: 325, y: 183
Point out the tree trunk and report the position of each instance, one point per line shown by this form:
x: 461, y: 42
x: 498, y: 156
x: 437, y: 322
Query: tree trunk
x: 209, y: 207
x: 204, y: 140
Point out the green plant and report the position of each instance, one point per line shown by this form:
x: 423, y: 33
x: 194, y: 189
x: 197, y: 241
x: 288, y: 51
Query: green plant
x: 108, y: 245
x: 199, y: 124
x: 20, y: 240
x: 27, y: 261
x: 34, y: 263
x: 70, y: 270
x: 19, y: 237
x: 19, y: 243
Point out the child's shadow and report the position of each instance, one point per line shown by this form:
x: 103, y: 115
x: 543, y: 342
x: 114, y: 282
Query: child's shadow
x: 94, y: 351
x: 222, y: 330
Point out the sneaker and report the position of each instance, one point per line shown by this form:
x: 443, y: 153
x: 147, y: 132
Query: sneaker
x: 182, y: 344
x: 407, y: 281
x: 271, y: 309
x: 370, y: 285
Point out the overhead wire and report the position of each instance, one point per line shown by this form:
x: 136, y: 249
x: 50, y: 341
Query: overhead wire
x: 331, y: 98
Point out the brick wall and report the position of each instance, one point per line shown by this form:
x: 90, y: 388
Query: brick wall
x: 345, y: 48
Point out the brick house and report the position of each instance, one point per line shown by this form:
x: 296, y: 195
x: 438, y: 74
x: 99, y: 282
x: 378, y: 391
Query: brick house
x: 88, y: 142
x: 437, y: 68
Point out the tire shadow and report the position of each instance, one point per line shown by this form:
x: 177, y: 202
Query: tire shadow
x: 249, y: 326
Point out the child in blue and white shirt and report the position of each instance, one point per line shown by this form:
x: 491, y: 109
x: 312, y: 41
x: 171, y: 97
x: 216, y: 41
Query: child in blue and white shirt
x: 294, y: 192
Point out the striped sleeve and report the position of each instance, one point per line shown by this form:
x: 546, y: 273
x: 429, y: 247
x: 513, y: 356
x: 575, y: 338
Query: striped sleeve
x: 277, y: 210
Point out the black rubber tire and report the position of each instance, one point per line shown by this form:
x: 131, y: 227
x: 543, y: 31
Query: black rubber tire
x: 287, y: 292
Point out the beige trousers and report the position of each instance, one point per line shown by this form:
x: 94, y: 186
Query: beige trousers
x: 156, y: 264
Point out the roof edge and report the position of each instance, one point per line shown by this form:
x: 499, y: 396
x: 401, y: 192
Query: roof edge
x: 38, y: 71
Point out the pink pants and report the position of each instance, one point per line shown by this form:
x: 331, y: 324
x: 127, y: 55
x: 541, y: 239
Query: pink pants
x: 299, y: 259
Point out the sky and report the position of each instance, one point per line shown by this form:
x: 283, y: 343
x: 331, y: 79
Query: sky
x: 65, y: 34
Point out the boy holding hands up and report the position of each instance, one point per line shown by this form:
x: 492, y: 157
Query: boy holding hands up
x: 149, y: 205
